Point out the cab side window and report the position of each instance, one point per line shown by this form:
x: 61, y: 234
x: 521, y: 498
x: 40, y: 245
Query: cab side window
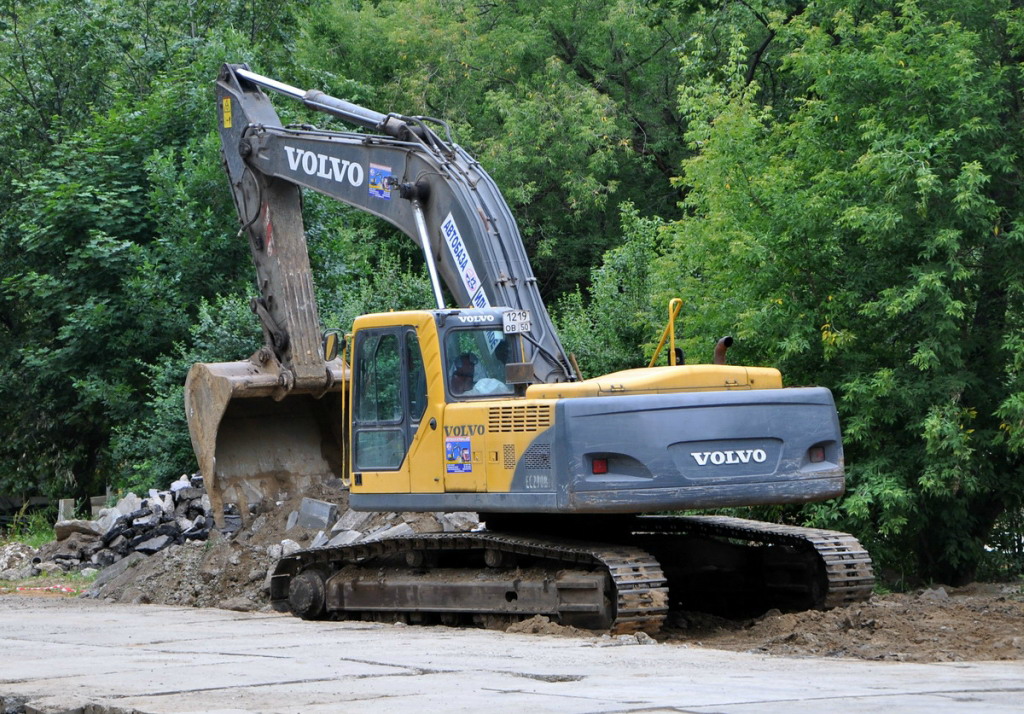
x: 379, y: 436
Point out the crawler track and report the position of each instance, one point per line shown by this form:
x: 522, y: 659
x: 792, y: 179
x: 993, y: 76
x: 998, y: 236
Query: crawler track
x: 616, y: 587
x: 834, y: 568
x: 621, y: 587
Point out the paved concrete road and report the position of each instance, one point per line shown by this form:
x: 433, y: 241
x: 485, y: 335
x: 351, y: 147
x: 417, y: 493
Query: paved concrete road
x: 61, y: 655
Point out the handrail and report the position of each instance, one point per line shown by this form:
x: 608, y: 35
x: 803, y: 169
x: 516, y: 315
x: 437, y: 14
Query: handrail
x: 669, y: 333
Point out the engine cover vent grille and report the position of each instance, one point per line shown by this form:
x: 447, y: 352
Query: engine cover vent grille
x: 537, y: 457
x: 526, y: 417
x: 509, y: 456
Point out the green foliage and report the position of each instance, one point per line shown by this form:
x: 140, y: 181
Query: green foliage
x: 389, y: 285
x: 153, y: 449
x: 1003, y: 560
x: 607, y: 329
x: 117, y: 223
x: 563, y: 103
x: 33, y: 528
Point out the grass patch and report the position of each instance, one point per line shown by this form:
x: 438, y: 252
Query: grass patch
x: 33, y: 528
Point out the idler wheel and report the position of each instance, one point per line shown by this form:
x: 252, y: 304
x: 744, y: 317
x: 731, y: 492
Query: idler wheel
x: 307, y: 595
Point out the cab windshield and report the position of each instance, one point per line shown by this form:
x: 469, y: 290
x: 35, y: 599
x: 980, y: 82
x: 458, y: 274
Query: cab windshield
x: 476, y: 362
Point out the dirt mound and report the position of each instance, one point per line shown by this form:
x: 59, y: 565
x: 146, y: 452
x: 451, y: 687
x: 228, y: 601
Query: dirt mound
x: 541, y: 625
x: 977, y: 622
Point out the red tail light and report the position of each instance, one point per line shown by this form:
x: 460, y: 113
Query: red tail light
x: 599, y: 466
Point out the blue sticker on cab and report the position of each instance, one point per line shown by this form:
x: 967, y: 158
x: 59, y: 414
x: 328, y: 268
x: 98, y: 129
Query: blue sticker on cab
x: 457, y: 456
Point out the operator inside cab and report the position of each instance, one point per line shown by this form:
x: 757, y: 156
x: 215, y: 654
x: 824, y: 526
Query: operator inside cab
x: 462, y: 377
x: 477, y: 360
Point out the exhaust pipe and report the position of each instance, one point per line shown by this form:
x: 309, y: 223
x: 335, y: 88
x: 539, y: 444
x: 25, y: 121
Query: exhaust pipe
x: 721, y: 347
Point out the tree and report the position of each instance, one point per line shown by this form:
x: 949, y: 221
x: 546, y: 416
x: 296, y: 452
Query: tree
x: 115, y: 221
x: 608, y: 328
x: 867, y: 237
x: 564, y: 103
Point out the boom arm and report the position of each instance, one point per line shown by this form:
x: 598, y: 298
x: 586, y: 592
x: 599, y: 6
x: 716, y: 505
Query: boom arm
x: 429, y: 188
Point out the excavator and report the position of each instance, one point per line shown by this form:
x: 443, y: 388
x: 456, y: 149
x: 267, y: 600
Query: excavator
x: 474, y: 405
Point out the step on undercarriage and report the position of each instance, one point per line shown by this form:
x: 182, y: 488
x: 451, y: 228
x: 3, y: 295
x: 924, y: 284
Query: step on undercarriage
x: 491, y: 579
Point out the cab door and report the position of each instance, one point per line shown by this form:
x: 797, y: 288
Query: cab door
x: 388, y: 401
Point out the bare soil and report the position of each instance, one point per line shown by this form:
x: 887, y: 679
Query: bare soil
x: 973, y: 623
x: 982, y: 621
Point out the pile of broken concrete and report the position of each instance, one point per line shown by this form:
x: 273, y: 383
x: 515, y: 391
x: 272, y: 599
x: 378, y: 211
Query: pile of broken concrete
x: 133, y: 544
x: 134, y: 524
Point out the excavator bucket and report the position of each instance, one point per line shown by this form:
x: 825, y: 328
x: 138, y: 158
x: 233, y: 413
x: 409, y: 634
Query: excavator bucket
x: 257, y: 443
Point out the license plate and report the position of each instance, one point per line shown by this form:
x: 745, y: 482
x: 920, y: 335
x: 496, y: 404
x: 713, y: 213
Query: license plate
x: 516, y: 321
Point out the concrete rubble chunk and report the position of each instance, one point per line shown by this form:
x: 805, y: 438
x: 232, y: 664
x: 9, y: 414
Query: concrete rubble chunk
x: 353, y: 521
x: 152, y: 545
x: 77, y: 546
x: 423, y: 522
x: 402, y: 529
x: 107, y: 518
x: 238, y: 604
x: 182, y: 482
x: 345, y: 538
x: 293, y: 518
x: 49, y: 567
x: 63, y: 529
x: 459, y: 521
x: 316, y: 514
x: 16, y: 555
x: 104, y: 558
x: 319, y: 540
x: 115, y: 531
x: 188, y: 493
x: 117, y: 569
x: 129, y: 504
x: 22, y: 573
x: 936, y: 595
x: 150, y: 519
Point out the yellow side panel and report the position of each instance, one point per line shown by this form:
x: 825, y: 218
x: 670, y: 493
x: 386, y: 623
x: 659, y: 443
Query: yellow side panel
x: 464, y: 431
x: 504, y: 451
x: 512, y: 425
x: 383, y: 482
x: 484, y: 441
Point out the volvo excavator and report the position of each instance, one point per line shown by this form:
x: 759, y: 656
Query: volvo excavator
x: 474, y: 405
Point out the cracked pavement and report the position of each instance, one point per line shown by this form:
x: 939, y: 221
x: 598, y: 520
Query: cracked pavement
x: 59, y: 655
